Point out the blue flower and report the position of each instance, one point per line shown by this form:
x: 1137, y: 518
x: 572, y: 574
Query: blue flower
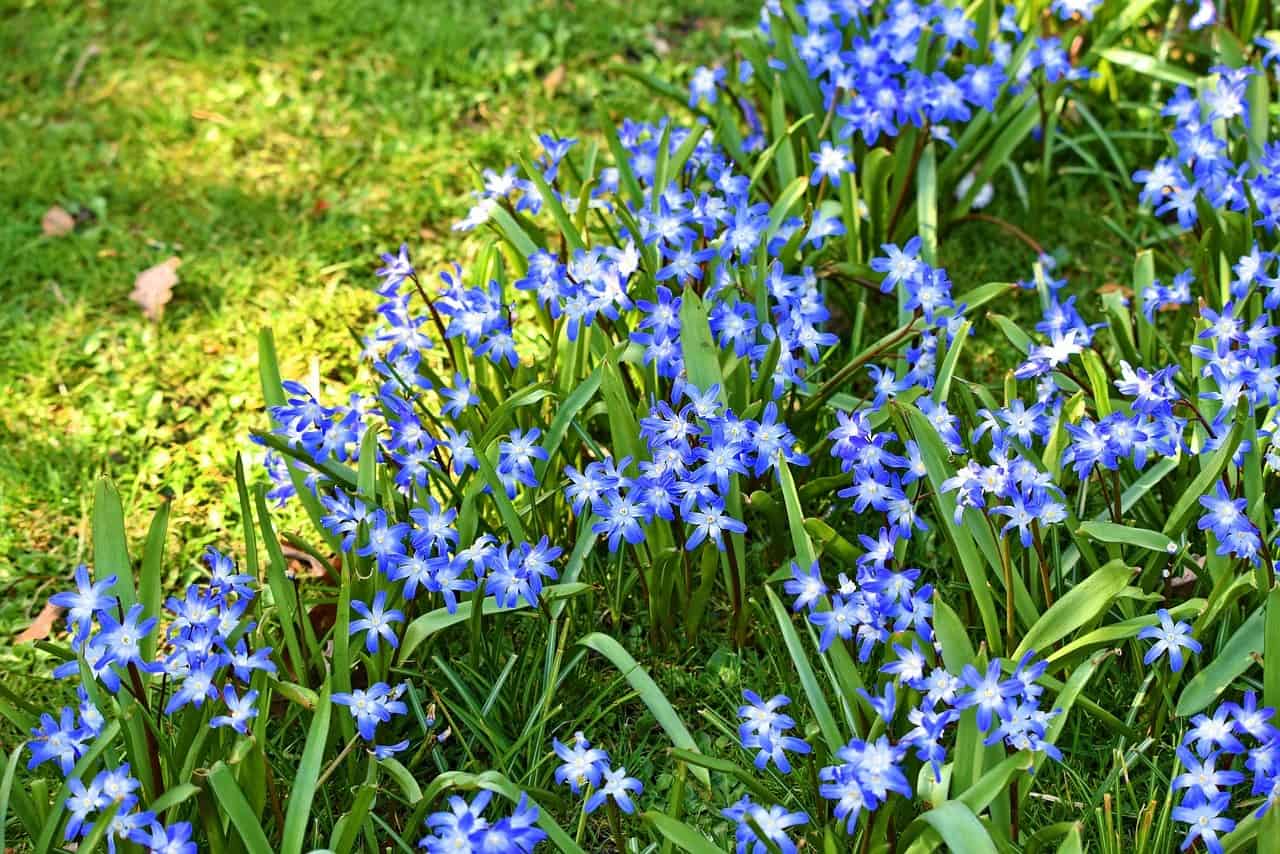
x: 1202, y: 776
x: 830, y: 162
x: 240, y: 710
x: 988, y: 693
x: 376, y: 621
x: 1204, y: 815
x: 85, y: 602
x: 61, y: 741
x: 808, y: 588
x: 709, y: 522
x: 582, y: 763
x: 773, y: 822
x: 617, y: 786
x: 372, y: 706
x: 1171, y: 638
x: 123, y: 639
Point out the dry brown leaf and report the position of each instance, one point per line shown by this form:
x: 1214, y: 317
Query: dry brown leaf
x: 56, y: 222
x: 1115, y: 288
x: 553, y: 80
x: 154, y: 287
x: 210, y: 116
x: 41, y: 625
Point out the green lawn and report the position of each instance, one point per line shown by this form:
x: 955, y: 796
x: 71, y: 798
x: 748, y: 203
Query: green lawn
x: 275, y: 154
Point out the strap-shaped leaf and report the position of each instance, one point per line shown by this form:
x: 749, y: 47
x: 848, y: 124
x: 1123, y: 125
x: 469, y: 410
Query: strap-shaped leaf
x: 650, y: 694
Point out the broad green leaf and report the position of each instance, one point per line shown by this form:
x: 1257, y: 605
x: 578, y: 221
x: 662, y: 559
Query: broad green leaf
x: 701, y: 357
x: 1146, y: 64
x: 1124, y: 630
x: 565, y: 413
x: 1084, y: 603
x: 231, y: 801
x: 959, y: 829
x: 1125, y: 535
x: 149, y: 591
x: 172, y: 797
x: 551, y: 202
x: 1190, y: 500
x: 307, y: 774
x: 1239, y: 654
x: 110, y: 547
x: 1271, y: 675
x: 6, y: 787
x: 1071, y: 843
x: 684, y: 836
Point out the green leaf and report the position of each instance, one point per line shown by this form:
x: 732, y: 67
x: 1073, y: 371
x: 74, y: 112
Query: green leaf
x: 684, y: 836
x: 1150, y: 66
x: 786, y: 201
x: 173, y: 797
x: 110, y: 547
x: 513, y: 232
x: 701, y: 357
x: 1124, y: 630
x: 1190, y: 500
x: 1270, y: 675
x: 498, y: 492
x: 404, y: 778
x: 972, y: 563
x: 1126, y: 535
x: 231, y: 801
x: 959, y: 829
x: 149, y: 591
x: 1084, y: 603
x: 957, y: 650
x: 281, y: 587
x: 804, y: 672
x: 1071, y: 843
x: 551, y: 203
x: 642, y: 683
x: 927, y: 204
x: 565, y: 413
x: 623, y: 427
x: 1239, y: 654
x: 795, y: 518
x: 990, y: 785
x: 346, y: 828
x: 6, y: 787
x: 308, y: 773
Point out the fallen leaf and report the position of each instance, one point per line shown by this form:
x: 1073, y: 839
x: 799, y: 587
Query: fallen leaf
x: 209, y: 116
x: 553, y: 80
x: 1115, y: 288
x: 154, y: 287
x: 56, y: 222
x: 41, y: 625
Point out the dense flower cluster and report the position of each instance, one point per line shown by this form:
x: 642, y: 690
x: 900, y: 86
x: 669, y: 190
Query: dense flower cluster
x: 204, y: 656
x: 883, y: 69
x: 1216, y: 741
x: 695, y: 447
x: 463, y: 827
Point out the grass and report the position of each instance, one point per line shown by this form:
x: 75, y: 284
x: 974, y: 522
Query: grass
x: 275, y: 154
